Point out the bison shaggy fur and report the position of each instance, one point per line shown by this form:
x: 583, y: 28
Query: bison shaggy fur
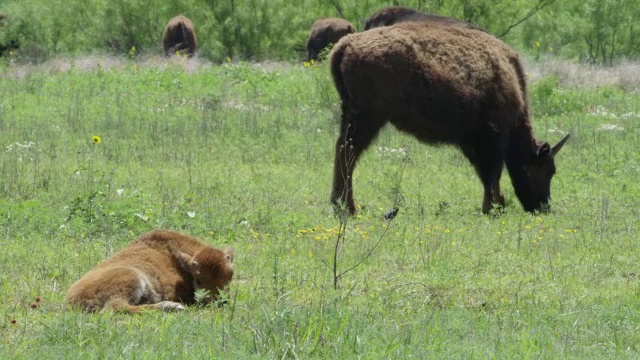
x: 396, y: 14
x: 324, y: 32
x: 161, y: 270
x: 442, y: 84
x: 179, y: 36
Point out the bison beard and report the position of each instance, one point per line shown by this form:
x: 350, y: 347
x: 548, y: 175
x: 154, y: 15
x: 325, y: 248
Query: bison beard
x: 442, y: 84
x: 161, y: 270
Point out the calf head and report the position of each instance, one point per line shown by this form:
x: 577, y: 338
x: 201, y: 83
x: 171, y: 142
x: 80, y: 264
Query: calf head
x: 211, y: 269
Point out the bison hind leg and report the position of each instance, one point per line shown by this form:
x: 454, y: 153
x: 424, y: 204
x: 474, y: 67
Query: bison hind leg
x: 358, y: 129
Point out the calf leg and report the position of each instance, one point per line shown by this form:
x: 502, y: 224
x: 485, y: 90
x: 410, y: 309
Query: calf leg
x: 122, y: 305
x: 356, y: 134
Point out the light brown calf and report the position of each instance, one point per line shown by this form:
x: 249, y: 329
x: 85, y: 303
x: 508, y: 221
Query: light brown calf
x: 161, y: 270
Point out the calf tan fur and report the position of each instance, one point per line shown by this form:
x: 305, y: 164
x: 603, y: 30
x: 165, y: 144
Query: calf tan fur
x: 161, y: 270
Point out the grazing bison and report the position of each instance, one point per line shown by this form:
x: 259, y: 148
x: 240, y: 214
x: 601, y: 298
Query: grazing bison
x: 324, y: 32
x: 161, y: 270
x: 179, y: 35
x: 397, y: 14
x: 441, y: 84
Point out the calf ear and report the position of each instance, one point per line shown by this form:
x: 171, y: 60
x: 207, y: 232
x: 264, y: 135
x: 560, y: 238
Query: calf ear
x: 187, y: 259
x: 230, y: 253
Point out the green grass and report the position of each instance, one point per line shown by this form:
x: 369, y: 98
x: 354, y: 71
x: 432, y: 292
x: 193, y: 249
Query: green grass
x: 241, y: 155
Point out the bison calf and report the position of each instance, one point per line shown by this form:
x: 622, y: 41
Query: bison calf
x: 442, y: 84
x: 324, y: 32
x: 397, y: 14
x: 179, y: 36
x: 161, y: 270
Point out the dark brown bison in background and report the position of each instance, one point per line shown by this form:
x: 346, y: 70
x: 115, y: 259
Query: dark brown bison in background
x: 442, y: 84
x: 161, y: 270
x: 179, y: 35
x: 397, y: 14
x: 324, y: 32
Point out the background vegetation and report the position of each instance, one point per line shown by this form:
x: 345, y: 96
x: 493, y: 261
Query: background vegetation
x: 241, y: 154
x: 96, y: 150
x: 596, y: 31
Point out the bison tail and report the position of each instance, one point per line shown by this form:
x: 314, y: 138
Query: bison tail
x: 336, y: 71
x: 183, y: 32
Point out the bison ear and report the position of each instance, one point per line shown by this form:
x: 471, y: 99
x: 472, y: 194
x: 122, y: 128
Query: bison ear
x: 559, y: 145
x: 543, y: 150
x: 187, y: 260
x: 230, y: 253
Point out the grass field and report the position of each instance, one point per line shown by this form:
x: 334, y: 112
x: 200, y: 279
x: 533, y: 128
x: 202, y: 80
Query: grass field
x: 241, y: 155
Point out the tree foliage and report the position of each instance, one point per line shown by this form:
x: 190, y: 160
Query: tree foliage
x: 596, y: 31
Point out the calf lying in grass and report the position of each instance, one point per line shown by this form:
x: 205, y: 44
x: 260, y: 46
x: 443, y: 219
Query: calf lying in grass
x: 160, y: 270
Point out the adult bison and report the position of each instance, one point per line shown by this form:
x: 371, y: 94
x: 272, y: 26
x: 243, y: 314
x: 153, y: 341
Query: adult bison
x: 161, y: 270
x: 179, y: 36
x: 396, y: 14
x: 324, y: 32
x: 442, y: 84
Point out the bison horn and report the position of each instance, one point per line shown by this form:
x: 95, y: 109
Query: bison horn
x: 556, y: 148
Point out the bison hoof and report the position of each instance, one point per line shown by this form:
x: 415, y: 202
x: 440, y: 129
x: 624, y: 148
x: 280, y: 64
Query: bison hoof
x: 340, y: 208
x: 170, y: 306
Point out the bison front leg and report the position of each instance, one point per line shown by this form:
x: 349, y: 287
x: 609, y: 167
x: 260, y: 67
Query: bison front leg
x: 490, y: 176
x: 488, y: 160
x: 492, y: 196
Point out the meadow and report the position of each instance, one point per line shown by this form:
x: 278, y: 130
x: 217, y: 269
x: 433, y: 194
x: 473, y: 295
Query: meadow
x: 94, y: 152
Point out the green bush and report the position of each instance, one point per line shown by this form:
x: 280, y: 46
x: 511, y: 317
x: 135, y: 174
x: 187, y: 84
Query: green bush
x: 594, y: 31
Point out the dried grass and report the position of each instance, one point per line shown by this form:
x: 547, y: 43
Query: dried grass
x: 93, y: 62
x: 625, y: 75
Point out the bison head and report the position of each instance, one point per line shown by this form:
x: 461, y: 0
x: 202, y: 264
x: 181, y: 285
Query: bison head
x: 532, y: 175
x: 212, y: 270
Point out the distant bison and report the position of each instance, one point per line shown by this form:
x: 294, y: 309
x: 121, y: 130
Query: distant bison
x: 179, y: 36
x: 161, y: 270
x: 397, y: 14
x: 324, y: 32
x: 442, y: 84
